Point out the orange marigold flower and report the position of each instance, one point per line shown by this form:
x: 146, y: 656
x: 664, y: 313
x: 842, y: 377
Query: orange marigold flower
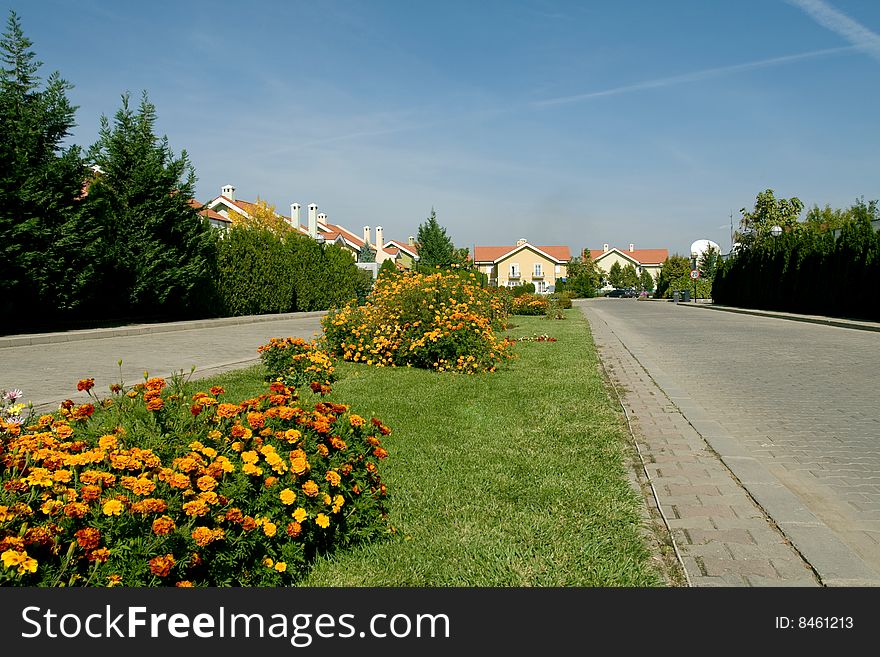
x: 183, y: 584
x: 380, y: 452
x: 75, y: 509
x: 163, y: 526
x: 114, y: 580
x: 206, y: 483
x: 204, y: 536
x: 294, y: 529
x: 238, y: 431
x: 270, y: 481
x: 179, y: 480
x: 256, y: 420
x: 287, y: 496
x: 156, y: 404
x: 248, y: 524
x: 234, y: 515
x: 162, y: 565
x: 310, y: 488
x: 333, y: 477
x: 88, y: 538
x: 90, y: 493
x: 322, y: 450
x: 84, y: 385
x: 356, y: 421
x: 196, y: 508
x: 101, y: 554
x: 113, y: 508
x: 228, y: 410
x: 338, y: 443
x: 217, y: 390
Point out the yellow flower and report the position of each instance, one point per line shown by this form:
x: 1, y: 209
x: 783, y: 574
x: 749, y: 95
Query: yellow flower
x: 114, y: 580
x: 300, y: 514
x: 270, y: 529
x: 287, y: 496
x: 322, y: 520
x: 310, y: 488
x: 113, y: 508
x: 280, y: 566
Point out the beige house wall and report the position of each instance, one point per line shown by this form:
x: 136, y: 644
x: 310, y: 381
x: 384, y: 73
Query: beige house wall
x: 525, y: 261
x: 605, y: 262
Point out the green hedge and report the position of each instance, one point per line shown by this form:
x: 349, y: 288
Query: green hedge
x: 808, y: 272
x: 262, y: 272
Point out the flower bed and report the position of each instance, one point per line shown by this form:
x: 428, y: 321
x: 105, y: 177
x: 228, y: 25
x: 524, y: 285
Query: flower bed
x: 155, y: 487
x: 436, y: 321
x: 529, y: 304
x: 296, y: 362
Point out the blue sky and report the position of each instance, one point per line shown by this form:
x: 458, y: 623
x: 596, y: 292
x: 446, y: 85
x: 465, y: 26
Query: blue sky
x: 578, y: 123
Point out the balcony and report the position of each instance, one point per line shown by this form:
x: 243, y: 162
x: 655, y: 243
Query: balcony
x: 514, y: 275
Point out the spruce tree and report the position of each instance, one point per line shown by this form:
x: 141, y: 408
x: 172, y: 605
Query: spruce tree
x: 41, y: 235
x: 157, y: 254
x: 435, y: 247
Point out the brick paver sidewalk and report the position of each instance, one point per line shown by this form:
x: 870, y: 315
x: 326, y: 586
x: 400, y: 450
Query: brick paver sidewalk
x: 723, y: 537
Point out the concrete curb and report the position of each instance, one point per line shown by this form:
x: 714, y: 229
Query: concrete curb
x: 142, y: 329
x: 812, y: 319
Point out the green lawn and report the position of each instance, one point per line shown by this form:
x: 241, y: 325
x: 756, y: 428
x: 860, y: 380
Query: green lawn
x: 516, y: 478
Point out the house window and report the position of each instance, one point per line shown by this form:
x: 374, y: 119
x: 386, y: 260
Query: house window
x: 540, y: 287
x: 538, y: 271
x: 514, y: 270
x: 558, y: 269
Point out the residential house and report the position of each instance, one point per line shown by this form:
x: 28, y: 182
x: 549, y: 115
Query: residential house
x: 223, y: 209
x: 650, y: 260
x: 508, y: 266
x: 406, y: 254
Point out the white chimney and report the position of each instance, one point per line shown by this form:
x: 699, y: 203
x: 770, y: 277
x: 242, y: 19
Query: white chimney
x: 228, y: 191
x: 604, y: 247
x: 366, y: 234
x: 322, y: 217
x: 521, y: 241
x: 632, y: 247
x: 379, y: 240
x: 294, y: 215
x: 313, y: 220
x: 411, y: 240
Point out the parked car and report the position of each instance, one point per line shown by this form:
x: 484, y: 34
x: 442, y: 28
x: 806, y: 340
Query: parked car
x: 624, y: 292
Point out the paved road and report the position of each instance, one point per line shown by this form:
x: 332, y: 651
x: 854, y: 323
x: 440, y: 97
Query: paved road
x: 791, y: 409
x: 47, y: 369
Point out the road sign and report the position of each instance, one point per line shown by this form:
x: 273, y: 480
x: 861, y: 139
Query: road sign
x: 695, y: 273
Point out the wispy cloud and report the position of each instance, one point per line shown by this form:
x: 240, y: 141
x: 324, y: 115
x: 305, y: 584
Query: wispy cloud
x: 696, y: 76
x: 828, y: 17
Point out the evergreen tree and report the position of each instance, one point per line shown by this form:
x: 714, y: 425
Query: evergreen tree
x: 583, y: 277
x: 41, y: 234
x: 646, y: 281
x: 615, y: 275
x: 435, y: 247
x: 156, y: 255
x: 629, y: 277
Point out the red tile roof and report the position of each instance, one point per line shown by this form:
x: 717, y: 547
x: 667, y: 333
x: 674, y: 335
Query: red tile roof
x: 642, y: 256
x: 207, y: 212
x: 493, y: 253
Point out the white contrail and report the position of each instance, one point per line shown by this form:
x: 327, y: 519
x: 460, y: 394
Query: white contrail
x: 850, y: 29
x: 696, y: 76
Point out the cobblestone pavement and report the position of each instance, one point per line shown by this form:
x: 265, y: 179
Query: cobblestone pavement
x: 47, y: 367
x: 761, y: 437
